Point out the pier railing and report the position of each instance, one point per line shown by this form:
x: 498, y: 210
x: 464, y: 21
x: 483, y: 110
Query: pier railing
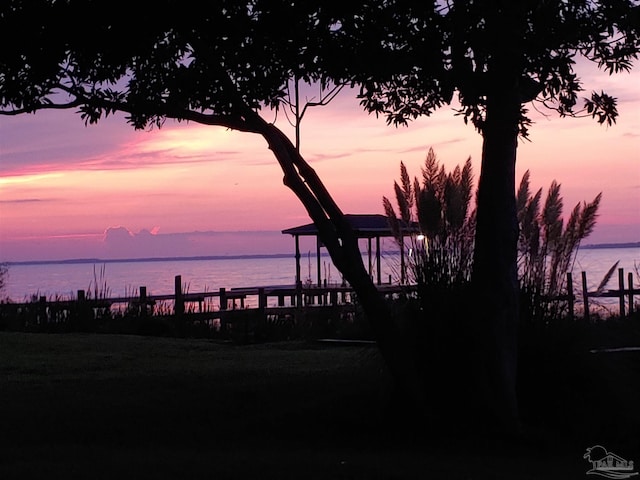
x: 224, y: 306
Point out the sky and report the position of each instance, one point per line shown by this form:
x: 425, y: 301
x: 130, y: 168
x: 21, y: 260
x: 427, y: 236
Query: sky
x: 71, y: 191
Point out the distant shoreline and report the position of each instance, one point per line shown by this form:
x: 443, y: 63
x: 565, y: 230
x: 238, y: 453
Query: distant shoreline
x: 78, y: 261
x: 612, y: 245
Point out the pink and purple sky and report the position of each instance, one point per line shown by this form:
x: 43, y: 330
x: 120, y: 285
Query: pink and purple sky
x: 107, y: 191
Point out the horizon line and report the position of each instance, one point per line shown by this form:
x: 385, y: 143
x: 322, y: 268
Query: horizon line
x: 77, y: 261
x: 72, y: 261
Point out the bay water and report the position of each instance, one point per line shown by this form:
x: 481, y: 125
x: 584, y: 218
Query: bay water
x: 123, y: 278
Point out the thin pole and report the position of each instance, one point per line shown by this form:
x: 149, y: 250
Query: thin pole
x: 378, y: 260
x: 621, y: 287
x: 297, y: 259
x: 297, y: 93
x: 318, y: 261
x: 402, y: 260
x: 630, y: 280
x: 370, y: 258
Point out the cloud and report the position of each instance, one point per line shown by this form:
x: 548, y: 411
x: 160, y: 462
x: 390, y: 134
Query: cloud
x: 54, y: 160
x: 320, y: 157
x: 120, y: 242
x: 435, y: 145
x: 24, y: 200
x: 148, y: 159
x: 118, y: 235
x: 57, y: 142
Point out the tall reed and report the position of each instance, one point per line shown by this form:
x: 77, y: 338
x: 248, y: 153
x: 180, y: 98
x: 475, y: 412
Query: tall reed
x: 440, y: 259
x: 440, y: 205
x: 98, y: 288
x: 547, y: 247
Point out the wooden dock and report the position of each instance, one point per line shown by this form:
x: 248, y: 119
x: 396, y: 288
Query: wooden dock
x: 247, y: 306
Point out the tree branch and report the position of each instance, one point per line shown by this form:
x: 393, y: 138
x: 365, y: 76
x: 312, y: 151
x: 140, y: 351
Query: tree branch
x: 44, y: 106
x: 81, y: 97
x: 324, y: 100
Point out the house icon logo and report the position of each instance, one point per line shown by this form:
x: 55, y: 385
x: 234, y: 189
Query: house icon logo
x: 608, y: 464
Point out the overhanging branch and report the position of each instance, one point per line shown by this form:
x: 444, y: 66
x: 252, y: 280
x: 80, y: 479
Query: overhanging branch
x: 240, y: 122
x: 44, y: 106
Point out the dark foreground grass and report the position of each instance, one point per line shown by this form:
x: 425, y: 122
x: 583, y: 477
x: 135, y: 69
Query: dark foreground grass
x: 110, y: 407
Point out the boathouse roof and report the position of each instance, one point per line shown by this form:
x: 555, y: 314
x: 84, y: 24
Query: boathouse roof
x: 364, y: 226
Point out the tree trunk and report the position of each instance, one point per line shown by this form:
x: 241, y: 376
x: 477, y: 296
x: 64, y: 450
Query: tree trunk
x: 495, y: 276
x: 338, y: 237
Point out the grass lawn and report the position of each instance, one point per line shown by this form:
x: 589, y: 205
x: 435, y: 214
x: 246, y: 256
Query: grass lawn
x: 114, y: 406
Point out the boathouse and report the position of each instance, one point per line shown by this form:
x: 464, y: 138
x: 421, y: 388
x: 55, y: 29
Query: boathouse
x: 365, y: 226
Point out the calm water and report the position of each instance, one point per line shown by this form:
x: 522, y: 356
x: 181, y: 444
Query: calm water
x: 122, y: 279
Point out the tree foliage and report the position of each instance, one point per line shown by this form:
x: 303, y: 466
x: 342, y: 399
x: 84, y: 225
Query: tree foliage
x: 427, y: 54
x: 210, y: 62
x: 215, y: 63
x: 408, y: 58
x: 494, y: 58
x: 222, y: 63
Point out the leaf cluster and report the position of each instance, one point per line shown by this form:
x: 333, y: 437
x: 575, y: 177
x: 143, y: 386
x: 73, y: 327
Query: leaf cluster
x: 223, y: 59
x: 477, y: 49
x: 162, y: 59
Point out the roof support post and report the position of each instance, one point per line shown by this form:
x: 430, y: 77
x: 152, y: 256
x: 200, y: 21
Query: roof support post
x: 370, y: 258
x: 318, y: 244
x: 297, y: 237
x: 378, y: 260
x: 402, y: 267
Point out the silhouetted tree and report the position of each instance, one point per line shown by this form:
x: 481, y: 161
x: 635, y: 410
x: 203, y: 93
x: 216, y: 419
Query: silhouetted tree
x: 214, y: 63
x: 219, y: 63
x: 411, y: 57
